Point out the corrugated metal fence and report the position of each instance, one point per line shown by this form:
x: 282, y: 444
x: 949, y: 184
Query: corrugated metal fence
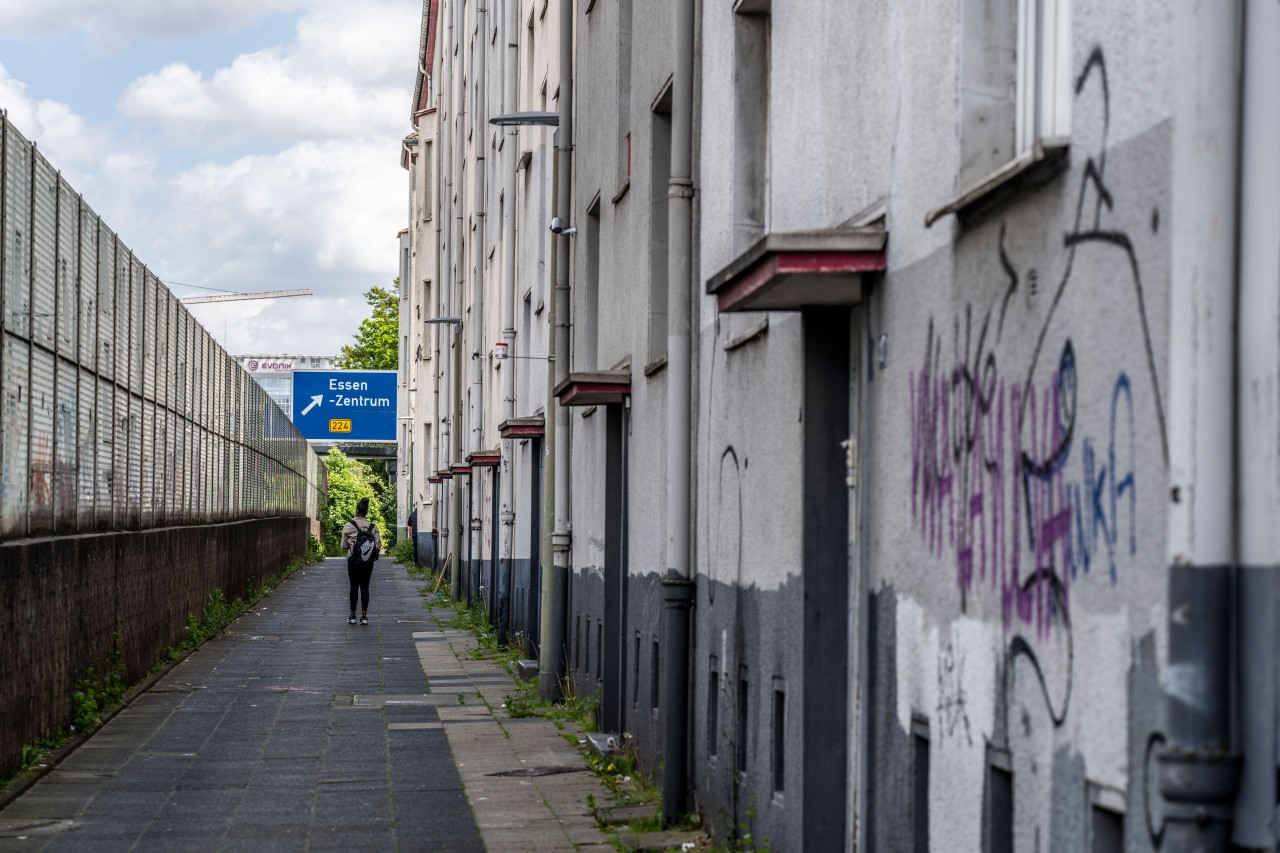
x: 117, y: 409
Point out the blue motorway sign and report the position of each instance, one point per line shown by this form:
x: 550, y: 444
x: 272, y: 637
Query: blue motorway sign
x: 345, y: 405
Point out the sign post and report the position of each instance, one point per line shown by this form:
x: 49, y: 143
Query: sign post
x: 345, y: 405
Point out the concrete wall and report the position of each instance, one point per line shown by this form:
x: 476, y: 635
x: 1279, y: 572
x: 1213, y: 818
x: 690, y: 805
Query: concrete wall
x: 1009, y: 382
x: 1011, y: 530
x: 72, y: 603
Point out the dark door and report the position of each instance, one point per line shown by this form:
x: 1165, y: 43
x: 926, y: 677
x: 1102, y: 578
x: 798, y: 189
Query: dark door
x: 612, y: 700
x: 533, y: 610
x: 826, y: 576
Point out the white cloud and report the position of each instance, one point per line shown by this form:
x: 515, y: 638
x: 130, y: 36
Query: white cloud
x: 349, y: 74
x: 63, y: 135
x: 296, y: 326
x: 325, y: 210
x: 110, y: 24
x: 321, y: 213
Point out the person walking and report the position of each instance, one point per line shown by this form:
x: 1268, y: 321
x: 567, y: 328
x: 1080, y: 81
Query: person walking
x: 362, y: 542
x: 412, y: 524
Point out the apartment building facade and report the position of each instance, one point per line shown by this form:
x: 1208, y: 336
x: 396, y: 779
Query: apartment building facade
x: 941, y: 487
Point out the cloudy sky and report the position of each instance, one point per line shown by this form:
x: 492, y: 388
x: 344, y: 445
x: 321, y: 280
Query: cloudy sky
x: 244, y: 145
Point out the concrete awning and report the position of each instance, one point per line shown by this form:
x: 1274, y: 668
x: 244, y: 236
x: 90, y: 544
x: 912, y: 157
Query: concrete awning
x: 594, y: 388
x: 804, y: 269
x: 485, y: 458
x: 522, y: 427
x: 460, y: 470
x: 443, y: 474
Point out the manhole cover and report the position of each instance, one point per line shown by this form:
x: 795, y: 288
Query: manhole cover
x: 539, y: 771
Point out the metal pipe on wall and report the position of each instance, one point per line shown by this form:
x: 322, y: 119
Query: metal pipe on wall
x: 678, y: 584
x: 552, y: 662
x: 457, y: 256
x: 1198, y: 767
x: 509, y: 68
x: 453, y: 132
x: 480, y: 138
x: 1257, y: 418
x: 550, y: 634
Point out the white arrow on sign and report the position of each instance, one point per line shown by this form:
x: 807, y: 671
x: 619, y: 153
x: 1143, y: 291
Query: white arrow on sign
x: 315, y: 401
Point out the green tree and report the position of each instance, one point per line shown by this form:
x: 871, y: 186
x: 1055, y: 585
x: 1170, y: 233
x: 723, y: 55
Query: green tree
x: 377, y: 341
x: 349, y: 481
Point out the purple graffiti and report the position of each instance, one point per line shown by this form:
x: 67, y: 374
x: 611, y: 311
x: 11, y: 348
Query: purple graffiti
x: 1024, y: 505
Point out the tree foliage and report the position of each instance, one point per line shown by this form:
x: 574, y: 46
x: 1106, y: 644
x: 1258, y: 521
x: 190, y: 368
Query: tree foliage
x: 376, y: 344
x: 349, y: 481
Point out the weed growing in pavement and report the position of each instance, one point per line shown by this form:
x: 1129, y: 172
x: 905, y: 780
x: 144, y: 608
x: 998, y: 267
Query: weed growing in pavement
x: 95, y: 693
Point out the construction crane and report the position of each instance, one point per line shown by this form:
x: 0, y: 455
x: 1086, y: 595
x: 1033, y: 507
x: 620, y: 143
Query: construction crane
x: 237, y: 297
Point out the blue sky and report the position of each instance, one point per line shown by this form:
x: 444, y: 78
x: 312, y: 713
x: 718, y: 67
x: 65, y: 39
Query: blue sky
x: 237, y: 144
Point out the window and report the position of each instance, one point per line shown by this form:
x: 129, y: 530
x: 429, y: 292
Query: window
x: 751, y: 43
x: 713, y: 707
x: 624, y: 93
x: 586, y: 328
x: 635, y: 675
x: 430, y: 312
x: 779, y: 735
x: 655, y: 682
x: 920, y: 785
x: 998, y: 820
x: 428, y: 188
x: 1107, y: 830
x: 659, y: 186
x: 741, y: 734
x: 1015, y: 81
x: 600, y: 648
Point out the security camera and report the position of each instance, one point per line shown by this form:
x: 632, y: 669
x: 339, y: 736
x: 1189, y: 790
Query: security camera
x: 558, y: 227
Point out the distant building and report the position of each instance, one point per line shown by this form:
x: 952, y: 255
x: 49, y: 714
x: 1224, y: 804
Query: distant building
x: 275, y: 374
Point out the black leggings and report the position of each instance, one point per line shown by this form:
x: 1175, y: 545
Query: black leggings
x: 359, y: 584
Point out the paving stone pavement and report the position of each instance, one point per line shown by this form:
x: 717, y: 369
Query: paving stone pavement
x: 296, y: 731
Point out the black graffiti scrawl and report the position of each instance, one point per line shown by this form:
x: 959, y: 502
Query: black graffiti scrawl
x: 1008, y: 480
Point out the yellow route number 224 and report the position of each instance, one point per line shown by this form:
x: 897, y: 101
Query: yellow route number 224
x: 340, y: 425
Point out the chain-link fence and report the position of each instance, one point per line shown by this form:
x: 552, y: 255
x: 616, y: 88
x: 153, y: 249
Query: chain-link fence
x: 117, y: 409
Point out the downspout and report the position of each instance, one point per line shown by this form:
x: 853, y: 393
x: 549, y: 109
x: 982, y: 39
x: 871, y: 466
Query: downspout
x: 1257, y: 390
x: 1198, y: 767
x: 456, y: 230
x: 552, y: 663
x: 480, y: 136
x: 434, y: 311
x: 508, y: 318
x: 548, y: 675
x: 678, y: 584
x: 447, y: 144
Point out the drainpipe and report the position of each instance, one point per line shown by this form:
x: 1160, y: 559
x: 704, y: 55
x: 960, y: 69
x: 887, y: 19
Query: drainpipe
x: 452, y: 302
x: 480, y: 136
x: 1198, y: 767
x: 551, y: 666
x: 551, y: 635
x: 1257, y: 388
x: 458, y: 581
x: 508, y: 318
x: 678, y: 584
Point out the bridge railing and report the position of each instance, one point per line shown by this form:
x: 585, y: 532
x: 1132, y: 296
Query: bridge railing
x: 118, y: 410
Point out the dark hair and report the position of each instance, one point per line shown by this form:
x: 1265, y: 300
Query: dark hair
x: 362, y: 506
